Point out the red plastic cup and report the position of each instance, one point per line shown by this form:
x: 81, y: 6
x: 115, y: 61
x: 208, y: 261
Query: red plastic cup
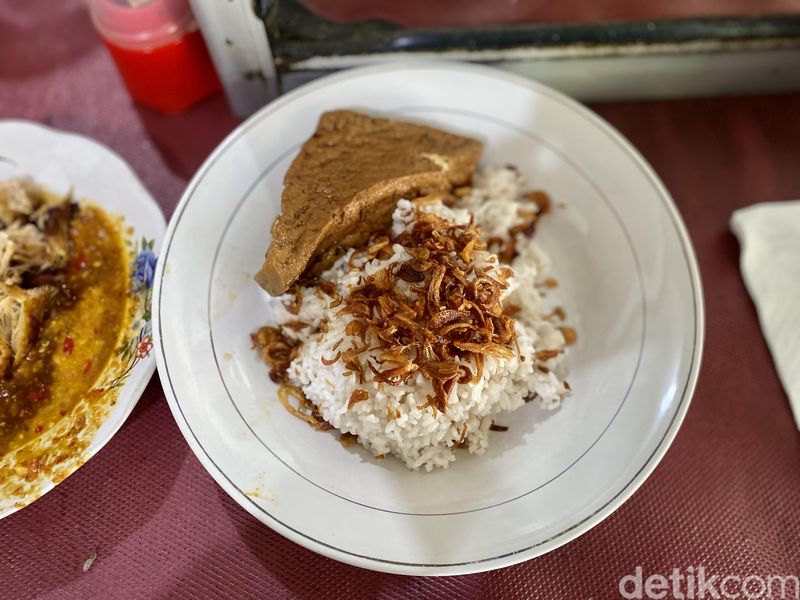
x: 158, y: 51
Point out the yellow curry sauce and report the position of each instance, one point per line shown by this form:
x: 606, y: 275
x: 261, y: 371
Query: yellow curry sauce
x: 78, y: 337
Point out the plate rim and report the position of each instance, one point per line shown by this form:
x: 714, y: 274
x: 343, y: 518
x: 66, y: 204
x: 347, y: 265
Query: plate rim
x: 149, y: 363
x: 511, y: 558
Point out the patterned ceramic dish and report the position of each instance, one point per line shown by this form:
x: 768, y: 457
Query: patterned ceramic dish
x: 62, y: 162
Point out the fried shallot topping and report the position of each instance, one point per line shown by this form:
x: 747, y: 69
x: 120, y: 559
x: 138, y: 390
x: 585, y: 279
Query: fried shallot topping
x: 446, y: 322
x: 294, y: 306
x: 542, y: 199
x: 570, y: 336
x: 276, y: 350
x: 506, y: 246
x: 358, y: 395
x: 304, y: 410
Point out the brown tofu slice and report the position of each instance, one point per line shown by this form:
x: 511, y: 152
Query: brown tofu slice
x: 345, y: 183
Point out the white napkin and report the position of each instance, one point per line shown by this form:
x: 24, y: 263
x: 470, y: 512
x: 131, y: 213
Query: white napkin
x: 769, y: 235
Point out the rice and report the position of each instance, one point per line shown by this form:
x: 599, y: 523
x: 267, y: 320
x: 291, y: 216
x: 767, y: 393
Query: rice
x: 393, y: 419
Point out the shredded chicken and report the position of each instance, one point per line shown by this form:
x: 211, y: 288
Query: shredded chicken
x: 21, y: 315
x: 16, y: 200
x: 35, y: 234
x: 34, y: 244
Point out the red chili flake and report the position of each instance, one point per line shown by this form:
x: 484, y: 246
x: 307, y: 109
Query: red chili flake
x: 39, y: 429
x: 38, y: 393
x: 87, y: 367
x: 69, y: 345
x: 80, y: 262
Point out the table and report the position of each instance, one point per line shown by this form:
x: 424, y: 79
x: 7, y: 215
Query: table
x: 726, y: 496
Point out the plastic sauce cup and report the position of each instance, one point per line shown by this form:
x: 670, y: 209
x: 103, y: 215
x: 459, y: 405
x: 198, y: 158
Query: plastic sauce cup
x: 158, y: 50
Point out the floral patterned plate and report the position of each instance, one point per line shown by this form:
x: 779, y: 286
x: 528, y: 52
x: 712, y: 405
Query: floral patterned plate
x: 62, y: 162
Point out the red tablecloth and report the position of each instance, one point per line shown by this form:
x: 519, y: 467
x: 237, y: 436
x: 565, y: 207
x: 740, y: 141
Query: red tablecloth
x: 726, y: 496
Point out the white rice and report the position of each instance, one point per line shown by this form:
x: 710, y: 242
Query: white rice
x: 417, y: 436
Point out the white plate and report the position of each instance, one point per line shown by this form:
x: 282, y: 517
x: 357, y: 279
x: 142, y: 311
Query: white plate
x: 624, y: 261
x: 62, y: 162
